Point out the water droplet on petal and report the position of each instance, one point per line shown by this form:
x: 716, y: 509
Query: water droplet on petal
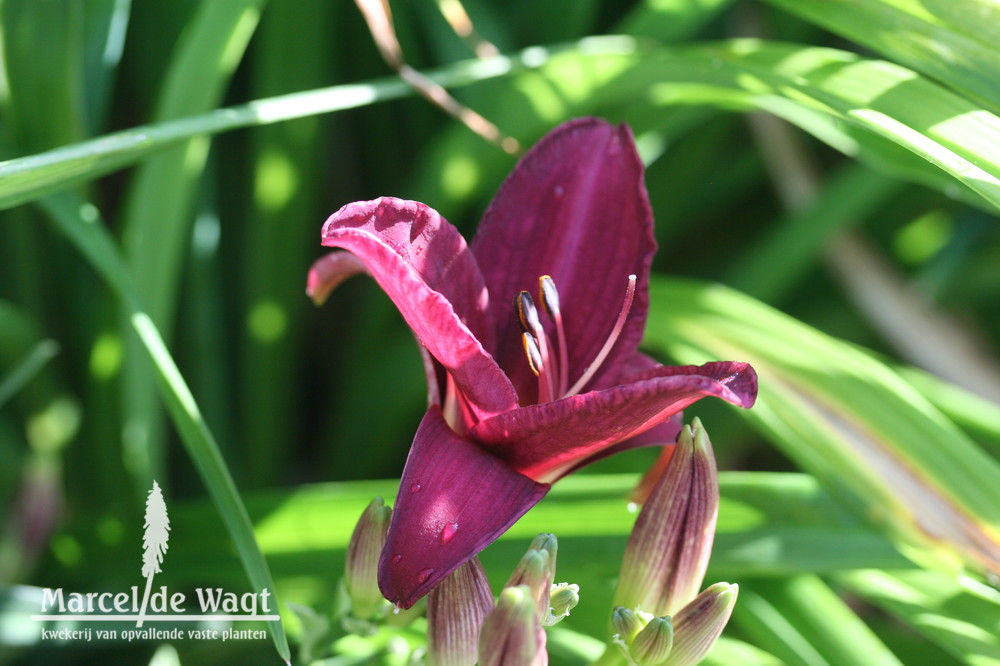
x: 448, y: 533
x: 558, y: 191
x: 423, y: 575
x: 396, y: 558
x: 414, y: 487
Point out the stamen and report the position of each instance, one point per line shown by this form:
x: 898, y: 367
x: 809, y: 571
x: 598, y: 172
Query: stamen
x: 549, y: 296
x: 532, y: 352
x: 527, y: 314
x: 591, y: 370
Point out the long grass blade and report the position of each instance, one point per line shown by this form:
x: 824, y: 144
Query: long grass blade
x: 83, y: 227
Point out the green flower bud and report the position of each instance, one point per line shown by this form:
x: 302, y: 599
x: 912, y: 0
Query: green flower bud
x: 627, y: 624
x: 536, y: 570
x: 700, y: 623
x: 563, y: 598
x: 361, y: 568
x: 652, y: 645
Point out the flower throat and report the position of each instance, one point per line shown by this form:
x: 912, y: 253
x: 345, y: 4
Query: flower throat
x: 553, y: 371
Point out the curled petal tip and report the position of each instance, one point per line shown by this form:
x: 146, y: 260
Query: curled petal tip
x: 328, y: 272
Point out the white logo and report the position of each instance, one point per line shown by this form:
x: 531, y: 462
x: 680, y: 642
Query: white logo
x: 160, y: 605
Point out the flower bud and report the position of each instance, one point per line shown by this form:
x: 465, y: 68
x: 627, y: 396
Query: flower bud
x: 700, y: 623
x: 511, y: 633
x: 456, y: 609
x: 563, y: 598
x: 536, y: 570
x: 668, y: 550
x: 652, y: 645
x: 627, y: 624
x: 363, y: 551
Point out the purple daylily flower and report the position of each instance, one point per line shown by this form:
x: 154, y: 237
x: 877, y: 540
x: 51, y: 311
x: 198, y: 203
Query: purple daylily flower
x: 520, y: 398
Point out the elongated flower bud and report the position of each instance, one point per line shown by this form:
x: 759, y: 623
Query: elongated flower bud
x: 668, y: 551
x: 536, y: 570
x: 361, y: 569
x: 699, y: 624
x: 456, y: 610
x: 652, y: 645
x: 511, y: 633
x: 562, y: 599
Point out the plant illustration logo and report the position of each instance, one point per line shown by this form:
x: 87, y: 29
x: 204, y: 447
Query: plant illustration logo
x: 154, y: 542
x: 157, y: 603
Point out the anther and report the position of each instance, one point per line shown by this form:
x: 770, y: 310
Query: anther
x: 549, y: 296
x: 527, y: 313
x: 532, y: 352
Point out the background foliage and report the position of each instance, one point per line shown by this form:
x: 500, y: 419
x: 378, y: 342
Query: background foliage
x: 825, y: 178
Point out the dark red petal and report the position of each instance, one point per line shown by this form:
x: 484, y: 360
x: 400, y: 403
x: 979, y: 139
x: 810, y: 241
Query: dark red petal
x: 454, y: 500
x: 662, y: 434
x: 425, y: 267
x: 574, y: 208
x: 546, y: 442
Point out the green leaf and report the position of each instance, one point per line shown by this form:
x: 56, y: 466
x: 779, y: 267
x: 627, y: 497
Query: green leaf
x: 775, y: 262
x: 801, y: 621
x: 202, y: 63
x: 82, y: 226
x: 952, y: 41
x: 22, y: 373
x: 844, y: 416
x: 961, y: 615
x: 810, y: 87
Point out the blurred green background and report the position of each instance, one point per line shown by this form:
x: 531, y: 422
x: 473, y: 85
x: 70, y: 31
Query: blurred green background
x: 825, y: 179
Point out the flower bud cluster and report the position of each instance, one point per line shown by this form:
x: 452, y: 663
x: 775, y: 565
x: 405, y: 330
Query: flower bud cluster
x: 659, y: 618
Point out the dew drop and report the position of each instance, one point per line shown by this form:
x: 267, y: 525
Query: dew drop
x: 414, y: 487
x: 423, y: 575
x: 448, y: 533
x: 558, y: 191
x: 396, y: 558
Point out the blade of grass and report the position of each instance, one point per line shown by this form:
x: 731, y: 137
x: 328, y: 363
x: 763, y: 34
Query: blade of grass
x: 866, y: 428
x: 280, y: 236
x: 962, y: 616
x: 801, y: 621
x: 866, y: 108
x: 795, y: 82
x: 16, y: 377
x: 158, y: 210
x: 953, y: 42
x: 774, y: 264
x: 82, y: 226
x: 42, y: 44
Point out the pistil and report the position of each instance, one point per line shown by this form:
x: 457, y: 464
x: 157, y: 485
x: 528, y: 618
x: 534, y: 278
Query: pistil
x: 591, y: 370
